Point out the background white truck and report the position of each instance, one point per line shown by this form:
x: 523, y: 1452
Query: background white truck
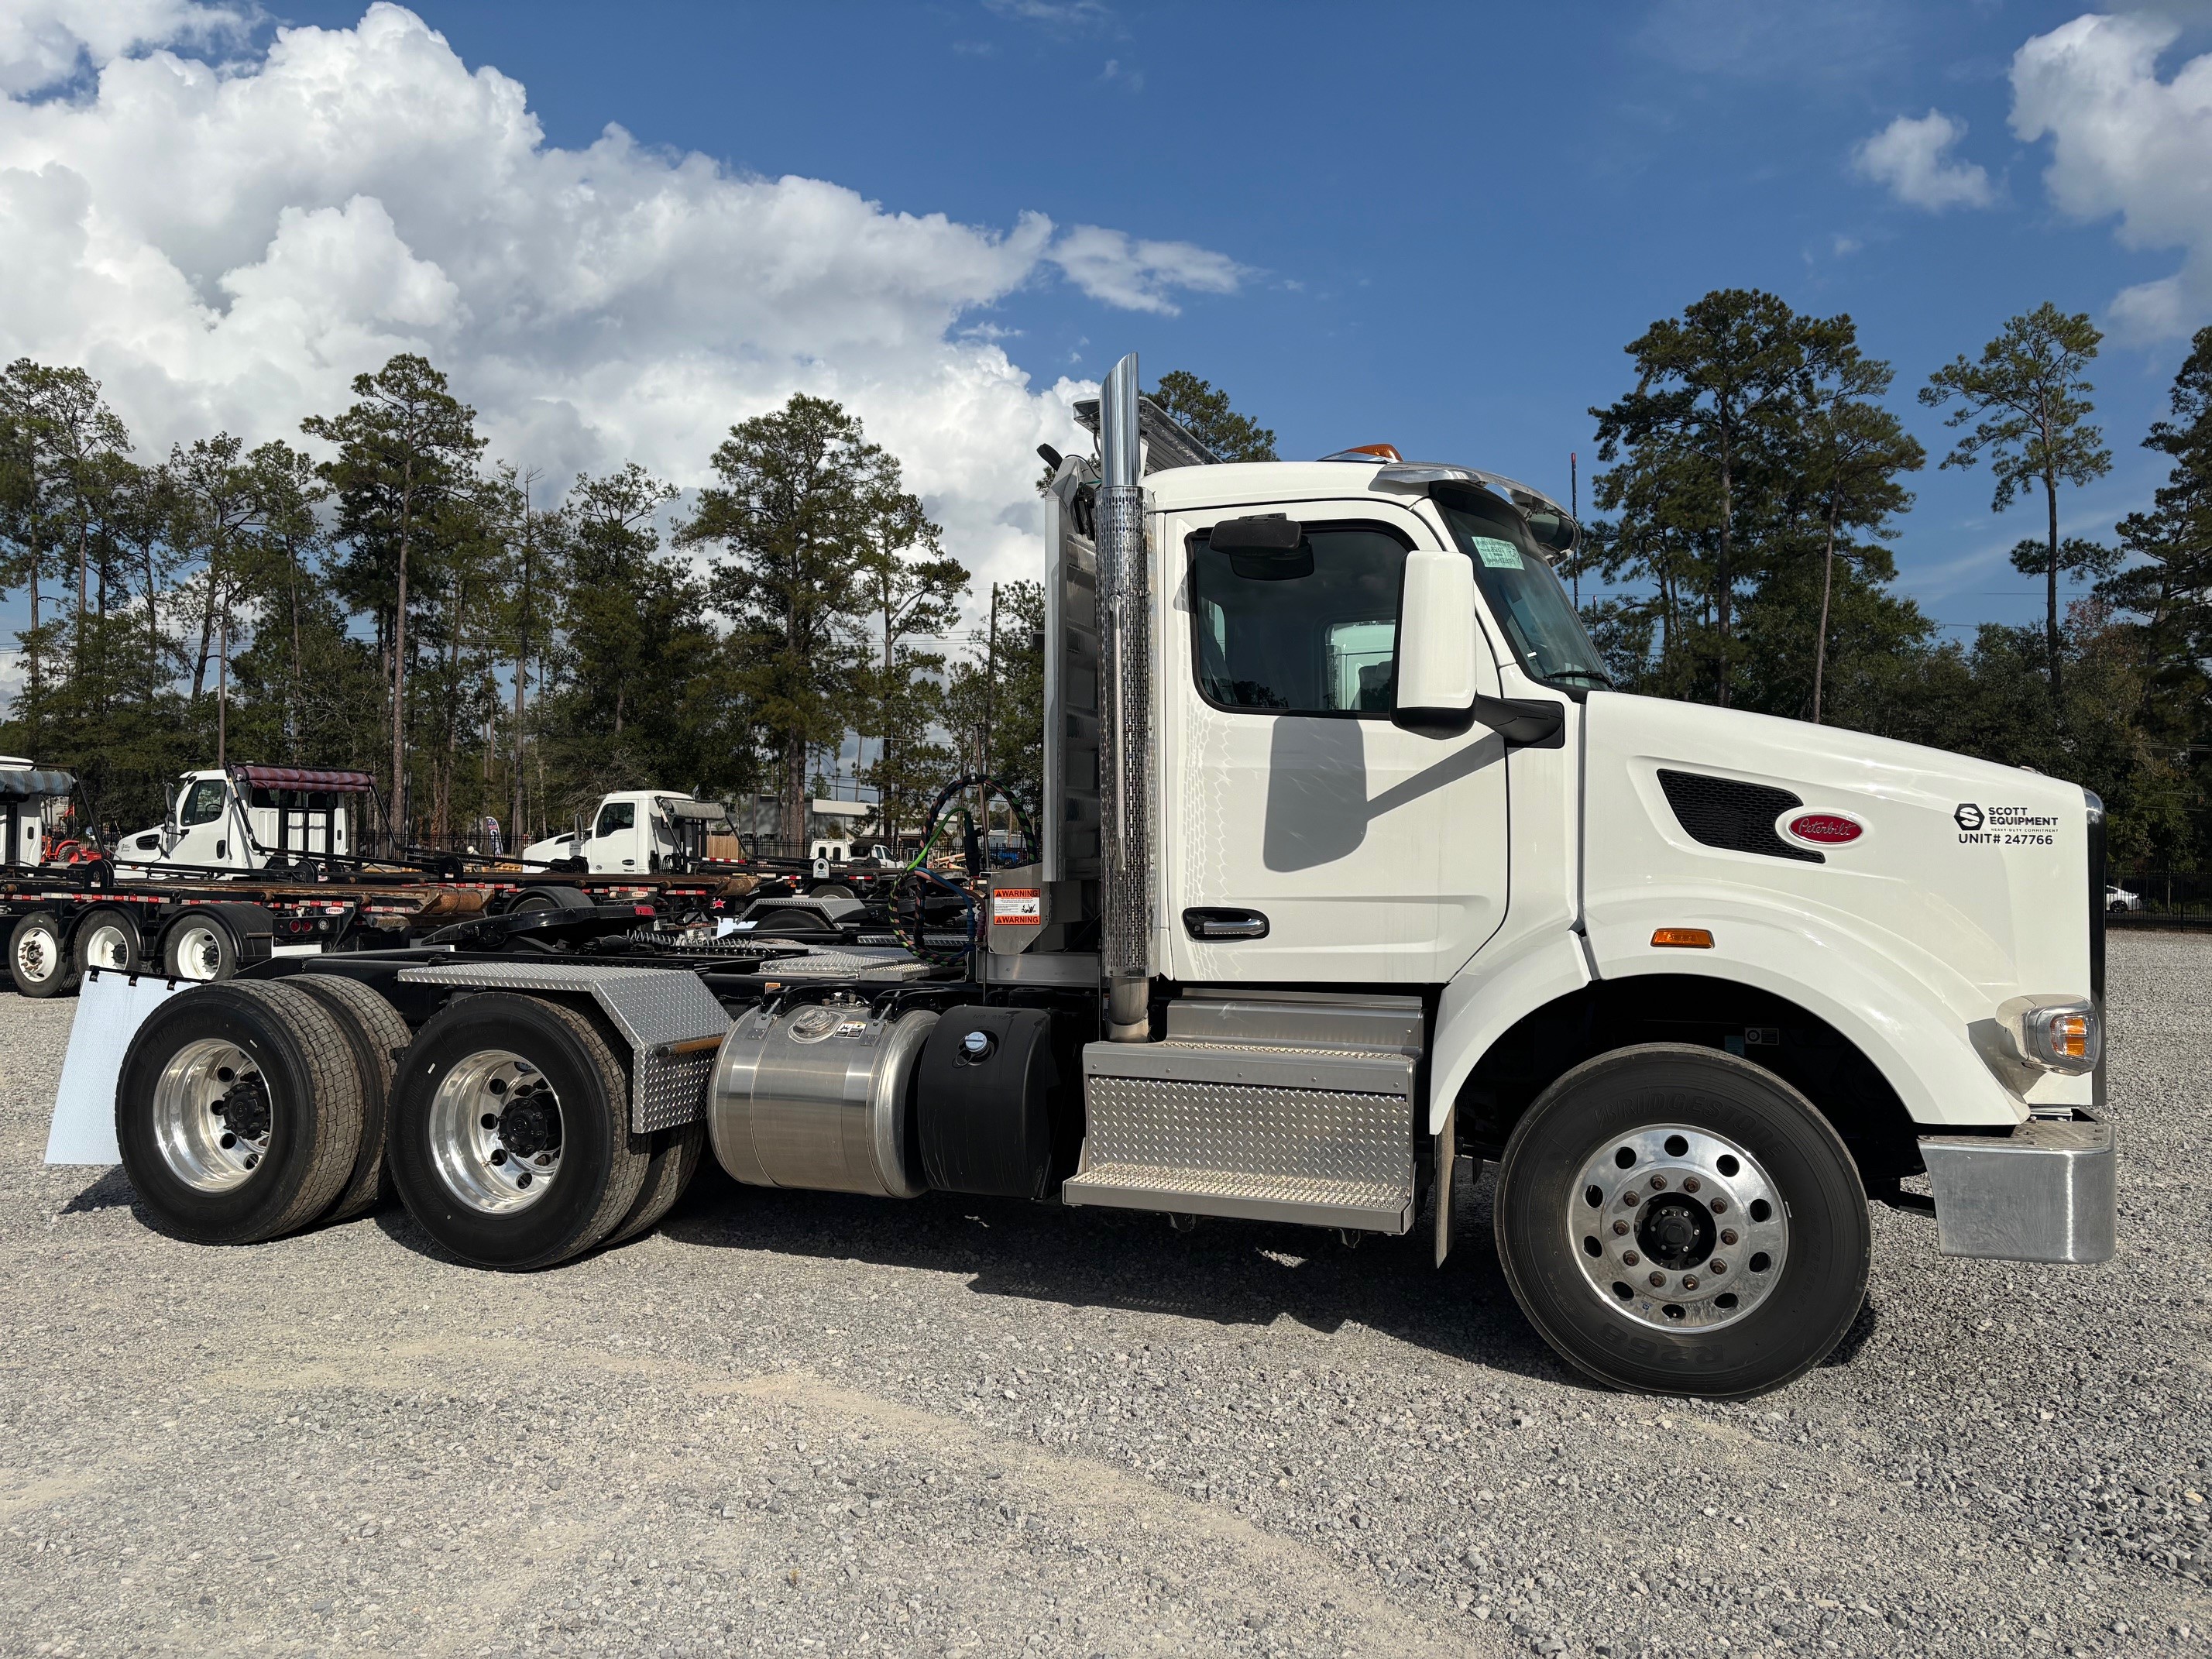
x: 1356, y: 874
x: 633, y: 831
x: 248, y: 817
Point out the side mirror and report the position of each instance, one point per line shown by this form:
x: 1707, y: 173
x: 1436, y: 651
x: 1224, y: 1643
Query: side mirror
x: 1437, y: 661
x: 1268, y: 548
x: 1436, y: 645
x: 1553, y: 530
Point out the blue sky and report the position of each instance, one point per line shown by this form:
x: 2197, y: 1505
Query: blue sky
x: 1433, y: 225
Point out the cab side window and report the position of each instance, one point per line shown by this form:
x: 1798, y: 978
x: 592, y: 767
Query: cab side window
x: 204, y: 804
x: 616, y: 815
x: 1321, y: 643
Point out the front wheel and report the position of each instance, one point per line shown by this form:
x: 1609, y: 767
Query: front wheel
x: 1676, y: 1220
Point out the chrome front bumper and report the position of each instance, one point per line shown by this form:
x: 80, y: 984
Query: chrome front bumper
x: 2047, y: 1192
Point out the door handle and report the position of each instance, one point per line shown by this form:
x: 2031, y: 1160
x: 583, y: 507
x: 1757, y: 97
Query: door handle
x: 1206, y: 922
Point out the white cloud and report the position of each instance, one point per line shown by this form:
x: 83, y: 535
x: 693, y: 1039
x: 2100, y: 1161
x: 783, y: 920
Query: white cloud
x: 1139, y: 275
x: 1059, y: 14
x: 45, y: 42
x: 228, y: 246
x: 2125, y: 142
x: 1912, y: 156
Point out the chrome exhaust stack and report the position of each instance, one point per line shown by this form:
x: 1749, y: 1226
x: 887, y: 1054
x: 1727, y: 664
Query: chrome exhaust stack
x: 1125, y: 736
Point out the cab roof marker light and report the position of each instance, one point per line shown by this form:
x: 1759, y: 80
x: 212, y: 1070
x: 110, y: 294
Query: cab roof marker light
x: 1367, y: 452
x: 1682, y: 938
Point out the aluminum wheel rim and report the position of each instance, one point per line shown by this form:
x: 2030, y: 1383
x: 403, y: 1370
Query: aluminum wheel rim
x: 199, y: 952
x: 473, y: 1120
x: 1678, y: 1228
x: 36, y: 956
x: 204, y: 1115
x: 107, y: 946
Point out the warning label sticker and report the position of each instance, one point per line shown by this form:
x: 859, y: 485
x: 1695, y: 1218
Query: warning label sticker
x: 1017, y: 907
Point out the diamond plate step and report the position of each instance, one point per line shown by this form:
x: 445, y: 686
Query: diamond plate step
x: 1261, y: 1132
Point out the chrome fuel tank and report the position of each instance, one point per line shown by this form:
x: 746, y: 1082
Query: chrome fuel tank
x: 820, y: 1096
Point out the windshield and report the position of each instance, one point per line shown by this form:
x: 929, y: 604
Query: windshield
x: 1522, y: 593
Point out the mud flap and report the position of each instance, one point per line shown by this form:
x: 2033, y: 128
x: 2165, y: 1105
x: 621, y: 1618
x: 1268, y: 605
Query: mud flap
x: 109, y: 1010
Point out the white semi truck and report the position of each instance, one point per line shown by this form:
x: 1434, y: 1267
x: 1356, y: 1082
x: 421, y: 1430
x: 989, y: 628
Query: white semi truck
x: 1356, y: 874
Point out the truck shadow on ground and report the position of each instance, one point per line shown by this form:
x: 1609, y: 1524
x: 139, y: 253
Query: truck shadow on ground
x: 1223, y: 1273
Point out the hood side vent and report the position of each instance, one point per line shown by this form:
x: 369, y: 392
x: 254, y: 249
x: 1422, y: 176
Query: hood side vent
x: 1739, y: 817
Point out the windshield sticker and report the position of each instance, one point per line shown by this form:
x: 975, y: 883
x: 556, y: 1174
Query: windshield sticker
x: 2004, y: 826
x: 1499, y: 555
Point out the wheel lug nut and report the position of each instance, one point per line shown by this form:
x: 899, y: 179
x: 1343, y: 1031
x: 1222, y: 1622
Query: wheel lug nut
x: 545, y: 1158
x: 1718, y: 1266
x: 1691, y: 1184
x: 1629, y: 1198
x: 1690, y: 1283
x: 1658, y: 1281
x: 1620, y: 1227
x: 1657, y: 1182
x: 1727, y: 1235
x: 1720, y: 1207
x: 1629, y: 1257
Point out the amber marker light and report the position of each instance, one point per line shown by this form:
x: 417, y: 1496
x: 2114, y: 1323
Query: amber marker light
x: 1682, y: 938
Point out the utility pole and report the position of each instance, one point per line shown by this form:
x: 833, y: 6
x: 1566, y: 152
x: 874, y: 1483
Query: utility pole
x: 222, y: 690
x: 522, y: 644
x: 990, y: 698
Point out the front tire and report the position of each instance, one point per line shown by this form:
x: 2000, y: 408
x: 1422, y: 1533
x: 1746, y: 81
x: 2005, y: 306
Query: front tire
x: 1676, y: 1220
x: 510, y: 1137
x: 237, y: 1113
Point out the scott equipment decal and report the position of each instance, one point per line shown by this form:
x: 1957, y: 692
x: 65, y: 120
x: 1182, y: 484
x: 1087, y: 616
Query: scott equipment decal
x: 2004, y: 826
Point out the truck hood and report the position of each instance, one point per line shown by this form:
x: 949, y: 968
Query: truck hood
x: 1971, y: 877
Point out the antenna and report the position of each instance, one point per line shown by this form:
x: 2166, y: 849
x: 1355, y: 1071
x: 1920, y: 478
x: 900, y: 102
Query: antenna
x: 1575, y: 512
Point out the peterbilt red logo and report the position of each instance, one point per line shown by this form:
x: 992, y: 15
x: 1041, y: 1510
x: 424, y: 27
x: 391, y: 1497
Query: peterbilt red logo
x: 1826, y: 828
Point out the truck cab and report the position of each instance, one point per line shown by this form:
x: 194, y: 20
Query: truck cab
x: 31, y: 800
x: 635, y: 832
x: 248, y: 817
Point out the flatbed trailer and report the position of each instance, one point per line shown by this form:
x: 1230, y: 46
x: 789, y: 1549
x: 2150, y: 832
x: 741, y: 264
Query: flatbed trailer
x: 61, y: 921
x: 1356, y: 877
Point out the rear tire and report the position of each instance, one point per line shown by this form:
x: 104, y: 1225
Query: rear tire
x: 676, y: 1154
x: 510, y: 1137
x: 237, y: 1112
x: 375, y: 1034
x: 199, y: 948
x: 1677, y: 1220
x: 107, y: 940
x: 38, y: 958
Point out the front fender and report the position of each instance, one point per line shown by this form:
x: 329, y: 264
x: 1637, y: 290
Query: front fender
x: 1488, y: 998
x: 1815, y: 960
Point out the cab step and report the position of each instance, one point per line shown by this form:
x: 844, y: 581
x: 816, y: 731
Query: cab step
x: 1266, y: 1106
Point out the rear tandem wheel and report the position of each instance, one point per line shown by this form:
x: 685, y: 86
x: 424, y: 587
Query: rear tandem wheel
x: 238, y: 1112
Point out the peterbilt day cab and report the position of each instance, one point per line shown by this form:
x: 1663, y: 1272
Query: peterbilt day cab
x: 1356, y: 874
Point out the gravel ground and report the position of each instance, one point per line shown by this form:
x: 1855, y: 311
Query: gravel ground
x: 793, y: 1421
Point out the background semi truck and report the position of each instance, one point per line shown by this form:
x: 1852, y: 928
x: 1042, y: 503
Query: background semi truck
x: 1354, y: 874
